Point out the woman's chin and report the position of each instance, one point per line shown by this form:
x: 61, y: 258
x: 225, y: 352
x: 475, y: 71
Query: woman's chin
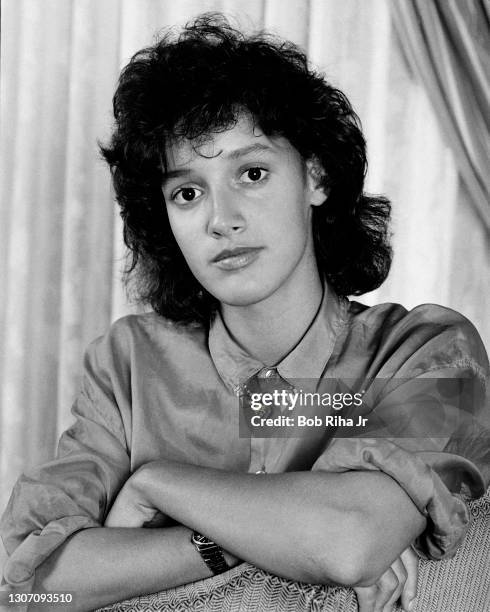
x: 241, y: 300
x: 242, y: 296
x: 244, y: 289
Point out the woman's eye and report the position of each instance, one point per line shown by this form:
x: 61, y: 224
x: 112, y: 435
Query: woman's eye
x: 254, y: 175
x: 185, y: 195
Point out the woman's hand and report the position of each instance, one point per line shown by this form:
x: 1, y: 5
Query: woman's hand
x: 132, y: 508
x: 399, y: 581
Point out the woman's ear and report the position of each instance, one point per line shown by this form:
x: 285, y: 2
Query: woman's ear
x: 315, y: 175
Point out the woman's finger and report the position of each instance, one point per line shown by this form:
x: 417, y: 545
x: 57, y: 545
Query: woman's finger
x: 158, y: 520
x: 374, y: 598
x: 388, y: 587
x: 411, y: 562
x: 366, y: 597
x: 401, y: 575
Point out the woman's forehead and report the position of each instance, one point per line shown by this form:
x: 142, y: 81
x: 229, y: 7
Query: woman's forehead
x: 243, y: 138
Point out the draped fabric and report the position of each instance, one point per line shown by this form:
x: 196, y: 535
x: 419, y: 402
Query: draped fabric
x: 446, y: 42
x: 61, y: 252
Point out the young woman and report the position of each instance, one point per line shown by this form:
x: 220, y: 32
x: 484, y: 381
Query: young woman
x: 239, y: 172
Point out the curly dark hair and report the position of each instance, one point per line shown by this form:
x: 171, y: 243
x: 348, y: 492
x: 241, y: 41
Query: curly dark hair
x: 196, y: 82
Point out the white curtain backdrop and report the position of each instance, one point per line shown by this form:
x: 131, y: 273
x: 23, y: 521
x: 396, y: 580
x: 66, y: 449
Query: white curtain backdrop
x: 61, y: 251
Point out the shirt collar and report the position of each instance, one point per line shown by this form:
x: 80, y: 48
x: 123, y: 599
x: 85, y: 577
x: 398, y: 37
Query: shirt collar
x: 307, y: 360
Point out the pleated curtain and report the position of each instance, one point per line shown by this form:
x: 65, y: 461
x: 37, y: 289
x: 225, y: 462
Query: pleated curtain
x: 61, y: 252
x: 447, y: 44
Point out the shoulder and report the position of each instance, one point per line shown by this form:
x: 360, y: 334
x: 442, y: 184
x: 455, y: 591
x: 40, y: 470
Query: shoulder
x: 427, y: 320
x: 424, y: 338
x: 147, y: 336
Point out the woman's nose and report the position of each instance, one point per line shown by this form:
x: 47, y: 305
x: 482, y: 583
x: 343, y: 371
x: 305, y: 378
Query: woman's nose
x: 225, y: 217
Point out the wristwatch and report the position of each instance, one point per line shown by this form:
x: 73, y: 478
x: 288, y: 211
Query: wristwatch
x: 211, y: 553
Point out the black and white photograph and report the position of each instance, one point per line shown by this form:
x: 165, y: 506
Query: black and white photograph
x: 245, y: 305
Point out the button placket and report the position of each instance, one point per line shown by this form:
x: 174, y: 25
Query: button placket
x: 260, y: 448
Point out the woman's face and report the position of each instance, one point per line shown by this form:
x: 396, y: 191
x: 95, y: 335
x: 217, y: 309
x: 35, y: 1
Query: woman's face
x: 239, y: 204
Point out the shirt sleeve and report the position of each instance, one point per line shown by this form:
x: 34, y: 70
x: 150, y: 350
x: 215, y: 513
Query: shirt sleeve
x: 75, y: 490
x: 428, y: 430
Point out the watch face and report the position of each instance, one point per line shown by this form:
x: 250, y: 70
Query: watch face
x: 198, y: 538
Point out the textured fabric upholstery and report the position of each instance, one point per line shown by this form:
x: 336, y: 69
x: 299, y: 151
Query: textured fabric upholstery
x: 460, y: 584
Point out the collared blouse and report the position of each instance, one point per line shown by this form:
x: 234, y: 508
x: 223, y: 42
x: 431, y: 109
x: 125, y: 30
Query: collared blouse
x: 153, y: 389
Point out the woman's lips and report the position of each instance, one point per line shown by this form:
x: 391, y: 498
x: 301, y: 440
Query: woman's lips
x: 238, y: 260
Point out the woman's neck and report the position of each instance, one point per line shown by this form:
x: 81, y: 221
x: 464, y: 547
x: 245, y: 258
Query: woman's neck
x: 270, y: 329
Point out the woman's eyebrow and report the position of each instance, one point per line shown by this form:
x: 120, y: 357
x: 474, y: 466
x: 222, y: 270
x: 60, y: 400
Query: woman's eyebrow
x: 170, y: 174
x: 254, y: 148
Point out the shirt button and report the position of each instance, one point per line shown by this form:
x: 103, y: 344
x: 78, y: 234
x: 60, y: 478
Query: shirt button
x: 238, y: 389
x: 270, y: 373
x: 264, y: 411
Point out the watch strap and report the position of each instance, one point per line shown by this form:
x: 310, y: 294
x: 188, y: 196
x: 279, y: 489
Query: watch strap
x: 211, y: 553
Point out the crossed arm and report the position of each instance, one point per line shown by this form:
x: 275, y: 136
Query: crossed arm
x: 316, y: 527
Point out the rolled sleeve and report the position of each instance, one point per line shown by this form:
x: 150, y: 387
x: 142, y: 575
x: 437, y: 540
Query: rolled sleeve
x: 427, y: 407
x: 74, y: 491
x: 433, y: 444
